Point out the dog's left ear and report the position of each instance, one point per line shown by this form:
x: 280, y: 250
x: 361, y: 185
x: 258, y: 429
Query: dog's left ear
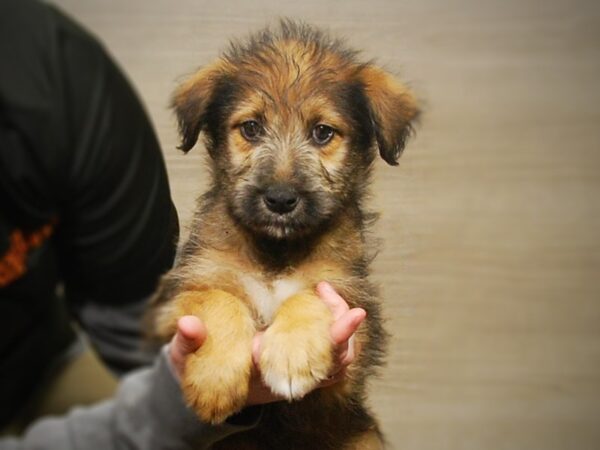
x: 191, y: 100
x: 394, y: 109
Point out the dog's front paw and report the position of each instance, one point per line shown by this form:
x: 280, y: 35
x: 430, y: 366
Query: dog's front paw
x: 297, y: 351
x: 215, y: 383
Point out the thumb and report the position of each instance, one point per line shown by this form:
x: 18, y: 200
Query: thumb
x: 191, y: 334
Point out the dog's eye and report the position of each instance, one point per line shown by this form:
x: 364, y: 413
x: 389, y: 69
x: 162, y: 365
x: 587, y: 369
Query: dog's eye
x: 322, y: 134
x: 250, y: 130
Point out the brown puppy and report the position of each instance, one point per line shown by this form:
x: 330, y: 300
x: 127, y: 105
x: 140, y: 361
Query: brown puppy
x: 291, y: 121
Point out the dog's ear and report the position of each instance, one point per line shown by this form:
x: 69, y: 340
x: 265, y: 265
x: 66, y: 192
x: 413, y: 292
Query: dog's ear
x: 394, y: 109
x: 191, y: 100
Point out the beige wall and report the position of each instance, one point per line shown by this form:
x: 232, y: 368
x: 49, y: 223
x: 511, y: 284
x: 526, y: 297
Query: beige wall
x: 491, y: 264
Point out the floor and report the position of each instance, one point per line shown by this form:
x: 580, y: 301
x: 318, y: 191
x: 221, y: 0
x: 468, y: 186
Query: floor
x: 491, y: 265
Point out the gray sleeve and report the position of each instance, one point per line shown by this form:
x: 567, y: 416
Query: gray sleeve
x: 115, y: 331
x: 147, y: 413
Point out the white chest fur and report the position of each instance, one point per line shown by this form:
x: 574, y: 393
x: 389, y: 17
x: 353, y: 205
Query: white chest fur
x: 267, y: 297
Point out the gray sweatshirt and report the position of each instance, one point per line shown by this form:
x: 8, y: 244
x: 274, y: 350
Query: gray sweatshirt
x: 147, y: 413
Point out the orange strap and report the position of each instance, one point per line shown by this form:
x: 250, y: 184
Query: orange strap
x: 13, y: 264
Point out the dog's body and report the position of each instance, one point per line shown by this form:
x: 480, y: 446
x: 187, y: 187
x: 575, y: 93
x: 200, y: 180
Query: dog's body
x: 291, y: 123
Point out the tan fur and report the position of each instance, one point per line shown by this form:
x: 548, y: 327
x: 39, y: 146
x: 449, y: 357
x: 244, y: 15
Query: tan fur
x: 296, y: 351
x: 216, y: 377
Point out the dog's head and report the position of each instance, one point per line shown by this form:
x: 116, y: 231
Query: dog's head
x: 292, y: 121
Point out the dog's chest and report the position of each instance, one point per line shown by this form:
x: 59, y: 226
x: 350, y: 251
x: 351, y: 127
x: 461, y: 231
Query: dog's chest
x: 268, y: 296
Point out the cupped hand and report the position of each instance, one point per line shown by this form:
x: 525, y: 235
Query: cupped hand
x: 191, y: 334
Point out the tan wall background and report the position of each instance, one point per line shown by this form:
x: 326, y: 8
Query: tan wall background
x: 491, y: 264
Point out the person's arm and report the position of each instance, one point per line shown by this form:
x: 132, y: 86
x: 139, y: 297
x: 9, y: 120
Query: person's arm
x: 116, y: 332
x: 148, y: 412
x: 118, y: 226
x: 78, y: 153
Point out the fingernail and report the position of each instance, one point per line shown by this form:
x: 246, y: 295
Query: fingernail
x: 360, y: 316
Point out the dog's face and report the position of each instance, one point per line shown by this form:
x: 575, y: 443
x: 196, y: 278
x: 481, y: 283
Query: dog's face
x: 291, y: 123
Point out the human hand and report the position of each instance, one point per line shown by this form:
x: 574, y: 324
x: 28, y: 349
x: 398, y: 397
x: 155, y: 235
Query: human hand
x: 346, y: 322
x: 191, y: 334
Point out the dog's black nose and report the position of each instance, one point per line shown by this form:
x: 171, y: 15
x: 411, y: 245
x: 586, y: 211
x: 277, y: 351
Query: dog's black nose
x: 281, y: 198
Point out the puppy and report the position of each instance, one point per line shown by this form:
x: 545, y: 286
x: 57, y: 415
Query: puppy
x: 292, y: 122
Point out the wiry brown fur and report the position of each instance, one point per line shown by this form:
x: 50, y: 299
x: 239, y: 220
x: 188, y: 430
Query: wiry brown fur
x: 241, y: 254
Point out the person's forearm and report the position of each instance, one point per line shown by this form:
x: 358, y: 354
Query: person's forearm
x: 116, y: 333
x: 147, y: 413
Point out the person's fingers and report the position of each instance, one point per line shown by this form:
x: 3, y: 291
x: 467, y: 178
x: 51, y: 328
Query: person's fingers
x: 346, y: 322
x: 346, y: 325
x: 347, y: 356
x: 332, y: 299
x: 342, y: 334
x: 191, y: 334
x: 256, y: 347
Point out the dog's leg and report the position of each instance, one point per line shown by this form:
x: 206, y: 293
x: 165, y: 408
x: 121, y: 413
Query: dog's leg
x: 216, y: 377
x: 297, y: 351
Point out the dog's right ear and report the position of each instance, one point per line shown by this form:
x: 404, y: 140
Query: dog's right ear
x: 191, y: 100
